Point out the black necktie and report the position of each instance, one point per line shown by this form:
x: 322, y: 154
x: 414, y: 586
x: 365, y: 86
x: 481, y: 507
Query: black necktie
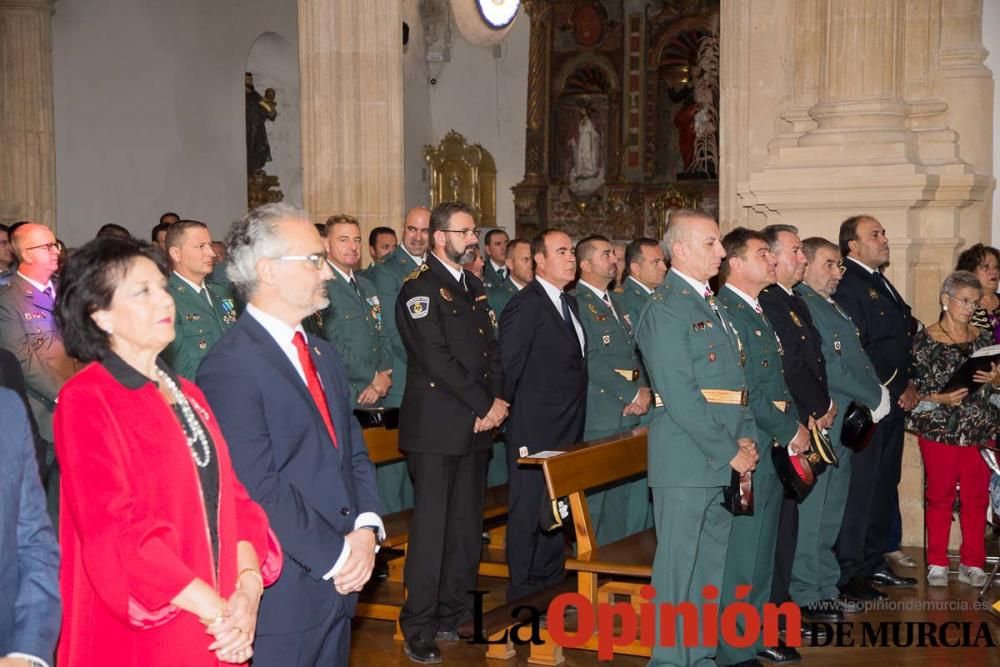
x: 503, y: 274
x: 567, y: 316
x: 354, y: 286
x: 47, y: 291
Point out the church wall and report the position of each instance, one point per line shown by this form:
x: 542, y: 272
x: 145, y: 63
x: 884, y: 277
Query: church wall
x: 477, y: 95
x: 149, y: 109
x: 991, y: 40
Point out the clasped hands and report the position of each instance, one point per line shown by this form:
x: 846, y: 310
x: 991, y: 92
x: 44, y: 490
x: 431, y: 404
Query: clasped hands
x: 496, y: 416
x: 357, y: 570
x: 640, y: 405
x: 234, y: 628
x: 378, y: 388
x: 746, y: 458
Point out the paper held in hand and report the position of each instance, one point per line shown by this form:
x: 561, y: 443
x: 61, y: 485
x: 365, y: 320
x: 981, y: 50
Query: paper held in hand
x: 981, y: 360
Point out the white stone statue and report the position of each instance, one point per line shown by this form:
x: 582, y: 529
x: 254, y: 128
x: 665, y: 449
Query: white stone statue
x: 587, y: 172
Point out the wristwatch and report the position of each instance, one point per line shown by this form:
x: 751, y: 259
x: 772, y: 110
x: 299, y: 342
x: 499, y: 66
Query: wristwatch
x: 378, y: 537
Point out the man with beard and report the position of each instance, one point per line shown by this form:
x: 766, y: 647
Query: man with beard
x: 886, y: 327
x: 851, y: 377
x: 450, y: 408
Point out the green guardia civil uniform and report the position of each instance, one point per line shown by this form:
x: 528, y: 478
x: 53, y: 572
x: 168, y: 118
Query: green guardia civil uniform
x: 353, y: 325
x: 693, y: 362
x: 630, y: 298
x: 394, y: 484
x: 388, y: 278
x: 614, y: 376
x: 198, y: 324
x: 500, y: 294
x: 752, y: 540
x: 850, y: 377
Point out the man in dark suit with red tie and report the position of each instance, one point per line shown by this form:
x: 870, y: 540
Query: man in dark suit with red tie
x: 543, y: 347
x: 284, y: 404
x: 886, y: 327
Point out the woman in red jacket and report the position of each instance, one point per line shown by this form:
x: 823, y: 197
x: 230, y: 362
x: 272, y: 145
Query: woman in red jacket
x: 165, y: 556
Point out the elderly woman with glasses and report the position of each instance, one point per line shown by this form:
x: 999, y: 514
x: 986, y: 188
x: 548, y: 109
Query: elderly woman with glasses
x: 165, y: 556
x: 951, y: 426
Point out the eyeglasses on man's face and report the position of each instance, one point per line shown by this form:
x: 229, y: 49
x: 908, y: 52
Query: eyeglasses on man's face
x: 317, y: 260
x: 50, y: 247
x: 475, y: 231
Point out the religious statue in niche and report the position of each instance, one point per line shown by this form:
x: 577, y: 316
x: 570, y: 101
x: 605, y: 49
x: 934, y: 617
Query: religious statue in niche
x: 262, y: 188
x: 259, y: 110
x: 587, y: 173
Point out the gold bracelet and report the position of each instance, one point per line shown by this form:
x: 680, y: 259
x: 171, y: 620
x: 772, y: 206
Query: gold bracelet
x: 209, y: 622
x: 255, y: 573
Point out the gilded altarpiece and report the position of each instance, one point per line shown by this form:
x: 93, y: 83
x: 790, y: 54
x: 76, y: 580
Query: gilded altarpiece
x: 622, y: 122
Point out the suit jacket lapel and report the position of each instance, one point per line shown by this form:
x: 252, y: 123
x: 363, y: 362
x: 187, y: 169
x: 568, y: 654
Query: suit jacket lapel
x: 340, y: 425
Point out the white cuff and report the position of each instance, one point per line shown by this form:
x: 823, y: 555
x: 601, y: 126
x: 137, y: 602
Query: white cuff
x: 28, y: 657
x: 364, y: 519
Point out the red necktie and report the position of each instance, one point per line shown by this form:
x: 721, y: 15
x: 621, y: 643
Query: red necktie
x: 312, y: 381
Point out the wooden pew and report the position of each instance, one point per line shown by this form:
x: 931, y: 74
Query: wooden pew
x: 619, y: 568
x: 382, y: 599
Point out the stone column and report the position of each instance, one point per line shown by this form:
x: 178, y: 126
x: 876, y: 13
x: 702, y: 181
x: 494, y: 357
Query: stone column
x: 351, y: 88
x: 28, y: 153
x: 529, y: 200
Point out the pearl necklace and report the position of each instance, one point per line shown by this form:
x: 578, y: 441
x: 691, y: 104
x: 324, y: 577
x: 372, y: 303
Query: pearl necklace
x: 194, y: 426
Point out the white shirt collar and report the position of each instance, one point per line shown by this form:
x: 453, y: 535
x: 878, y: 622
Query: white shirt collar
x: 458, y: 274
x: 699, y: 285
x: 37, y: 285
x: 416, y: 260
x: 600, y: 293
x: 551, y: 290
x: 347, y: 277
x: 641, y: 286
x: 282, y: 335
x: 787, y: 291
x: 754, y: 303
x: 862, y: 265
x: 196, y: 288
x: 516, y: 283
x: 497, y: 268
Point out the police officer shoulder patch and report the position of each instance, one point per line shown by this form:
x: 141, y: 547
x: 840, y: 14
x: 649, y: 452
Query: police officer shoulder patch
x: 418, y: 306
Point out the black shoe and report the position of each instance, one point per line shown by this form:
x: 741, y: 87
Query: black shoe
x: 886, y: 577
x: 447, y: 636
x: 814, y: 632
x: 822, y: 611
x: 780, y: 655
x: 860, y: 590
x: 423, y: 651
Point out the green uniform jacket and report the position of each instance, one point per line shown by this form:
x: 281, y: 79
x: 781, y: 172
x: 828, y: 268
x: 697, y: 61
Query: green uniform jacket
x: 610, y: 347
x: 491, y: 278
x: 353, y: 324
x: 631, y: 298
x: 765, y: 377
x: 499, y: 295
x: 197, y: 325
x: 388, y: 279
x: 849, y: 371
x: 686, y: 349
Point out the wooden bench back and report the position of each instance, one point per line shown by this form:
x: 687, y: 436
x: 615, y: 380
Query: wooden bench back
x: 589, y: 465
x: 382, y: 444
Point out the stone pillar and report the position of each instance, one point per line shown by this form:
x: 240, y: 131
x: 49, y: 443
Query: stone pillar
x: 28, y: 154
x: 351, y: 90
x: 529, y: 194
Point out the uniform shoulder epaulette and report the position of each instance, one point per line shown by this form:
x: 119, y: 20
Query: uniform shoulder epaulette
x: 416, y: 272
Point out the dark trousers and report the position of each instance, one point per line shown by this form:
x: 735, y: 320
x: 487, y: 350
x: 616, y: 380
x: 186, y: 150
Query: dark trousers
x: 784, y: 550
x: 536, y: 558
x: 328, y: 644
x: 871, y: 502
x: 442, y: 557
